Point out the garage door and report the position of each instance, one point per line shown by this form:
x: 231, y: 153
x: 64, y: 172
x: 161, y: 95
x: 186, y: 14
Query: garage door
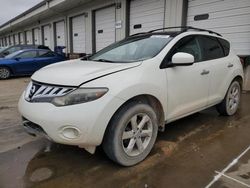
x: 11, y: 40
x: 21, y: 38
x: 29, y: 39
x: 60, y: 33
x: 16, y: 39
x: 229, y: 17
x: 146, y: 15
x: 7, y: 41
x: 36, y: 36
x: 78, y: 32
x: 105, y: 27
x: 47, y: 36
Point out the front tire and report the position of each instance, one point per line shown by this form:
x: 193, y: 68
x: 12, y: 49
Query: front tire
x: 131, y: 134
x: 4, y: 73
x: 231, y: 102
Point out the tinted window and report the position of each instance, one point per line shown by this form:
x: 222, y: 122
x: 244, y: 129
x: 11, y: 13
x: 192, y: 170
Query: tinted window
x: 225, y: 45
x: 211, y: 48
x: 46, y: 54
x: 29, y: 54
x: 188, y: 45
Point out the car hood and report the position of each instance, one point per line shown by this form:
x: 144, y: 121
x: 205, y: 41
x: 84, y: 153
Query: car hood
x: 77, y: 72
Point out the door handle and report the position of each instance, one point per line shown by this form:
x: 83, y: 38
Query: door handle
x: 204, y: 72
x: 230, y: 65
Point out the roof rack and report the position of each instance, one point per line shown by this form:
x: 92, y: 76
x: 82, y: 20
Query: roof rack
x: 184, y: 29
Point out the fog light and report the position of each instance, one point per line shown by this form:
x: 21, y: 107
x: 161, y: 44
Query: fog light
x: 70, y: 132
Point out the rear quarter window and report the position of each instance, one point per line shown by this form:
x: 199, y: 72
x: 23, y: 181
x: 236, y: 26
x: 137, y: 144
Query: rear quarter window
x: 211, y: 48
x: 225, y: 45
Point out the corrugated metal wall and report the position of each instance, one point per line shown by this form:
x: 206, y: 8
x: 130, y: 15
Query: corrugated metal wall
x: 231, y: 18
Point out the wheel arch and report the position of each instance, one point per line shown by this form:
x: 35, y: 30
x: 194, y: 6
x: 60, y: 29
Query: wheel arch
x: 147, y: 99
x: 239, y: 78
x: 8, y: 67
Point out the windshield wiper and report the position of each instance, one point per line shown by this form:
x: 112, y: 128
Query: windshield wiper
x: 104, y: 60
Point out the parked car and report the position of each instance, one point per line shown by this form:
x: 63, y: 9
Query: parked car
x: 16, y: 48
x: 26, y: 62
x: 122, y: 95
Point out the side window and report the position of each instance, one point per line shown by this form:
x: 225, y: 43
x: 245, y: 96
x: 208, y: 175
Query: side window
x: 29, y: 54
x: 211, y: 48
x: 46, y: 54
x: 225, y: 45
x: 189, y: 45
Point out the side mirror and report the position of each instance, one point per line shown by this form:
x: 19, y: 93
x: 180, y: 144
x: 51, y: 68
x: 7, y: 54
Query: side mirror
x: 17, y: 58
x: 182, y: 59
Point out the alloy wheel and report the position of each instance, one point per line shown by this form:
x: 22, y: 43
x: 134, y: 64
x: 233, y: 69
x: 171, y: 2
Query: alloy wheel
x: 4, y: 73
x: 137, y: 134
x: 233, y: 98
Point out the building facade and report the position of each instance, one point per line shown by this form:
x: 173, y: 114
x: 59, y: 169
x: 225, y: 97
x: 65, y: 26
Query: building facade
x: 86, y: 26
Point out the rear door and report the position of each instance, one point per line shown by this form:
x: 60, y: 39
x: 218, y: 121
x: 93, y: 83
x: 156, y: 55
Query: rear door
x: 188, y: 86
x: 220, y: 66
x: 45, y: 58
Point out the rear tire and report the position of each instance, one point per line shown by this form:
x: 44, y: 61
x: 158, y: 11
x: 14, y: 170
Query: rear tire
x: 231, y: 102
x: 131, y: 134
x: 4, y: 73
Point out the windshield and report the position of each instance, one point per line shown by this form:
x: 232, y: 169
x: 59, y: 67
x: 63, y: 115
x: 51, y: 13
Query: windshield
x: 133, y: 49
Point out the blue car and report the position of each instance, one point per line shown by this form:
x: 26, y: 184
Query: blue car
x: 26, y: 62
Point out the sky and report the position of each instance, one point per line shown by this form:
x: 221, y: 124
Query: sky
x: 11, y: 8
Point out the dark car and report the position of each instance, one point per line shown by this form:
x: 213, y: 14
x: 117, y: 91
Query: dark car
x: 26, y: 62
x: 16, y: 48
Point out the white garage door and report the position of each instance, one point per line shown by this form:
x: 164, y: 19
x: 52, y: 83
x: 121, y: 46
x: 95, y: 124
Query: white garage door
x: 47, y: 36
x: 11, y: 40
x: 60, y: 33
x: 146, y: 15
x: 78, y: 32
x: 21, y: 38
x: 105, y: 27
x: 29, y: 39
x: 37, y: 36
x: 229, y: 17
x: 16, y: 39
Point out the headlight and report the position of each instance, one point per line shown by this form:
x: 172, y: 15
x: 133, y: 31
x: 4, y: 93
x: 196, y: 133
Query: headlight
x: 78, y: 96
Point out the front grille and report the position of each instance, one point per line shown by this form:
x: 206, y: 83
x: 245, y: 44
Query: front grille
x: 36, y: 90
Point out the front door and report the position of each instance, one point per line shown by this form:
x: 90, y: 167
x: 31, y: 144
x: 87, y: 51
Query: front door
x: 188, y: 86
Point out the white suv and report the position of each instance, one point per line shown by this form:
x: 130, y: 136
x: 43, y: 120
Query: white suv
x: 122, y: 95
